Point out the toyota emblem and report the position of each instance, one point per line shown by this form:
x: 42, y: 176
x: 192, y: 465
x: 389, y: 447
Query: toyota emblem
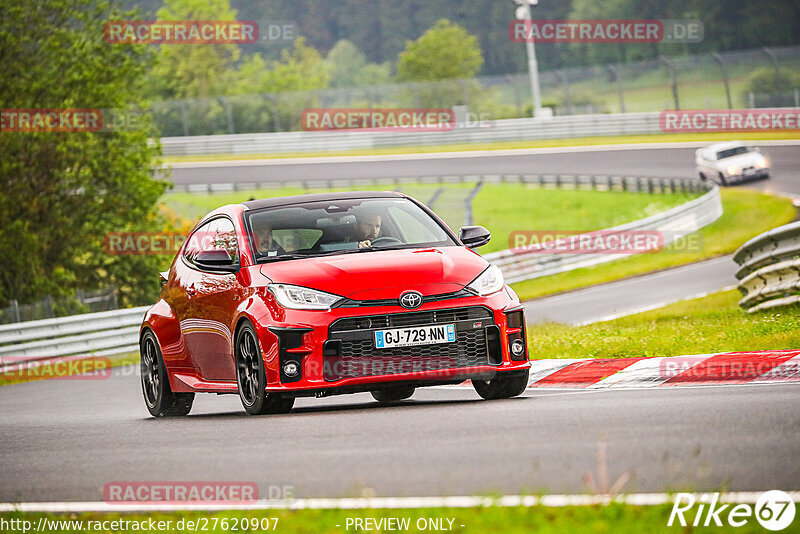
x: 411, y: 299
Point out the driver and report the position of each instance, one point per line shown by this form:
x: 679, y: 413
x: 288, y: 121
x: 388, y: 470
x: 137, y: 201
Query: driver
x: 368, y: 226
x: 266, y: 244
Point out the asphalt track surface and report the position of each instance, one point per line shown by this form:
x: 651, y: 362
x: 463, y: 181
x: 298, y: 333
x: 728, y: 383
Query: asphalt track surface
x: 656, y: 162
x: 63, y: 440
x: 633, y: 295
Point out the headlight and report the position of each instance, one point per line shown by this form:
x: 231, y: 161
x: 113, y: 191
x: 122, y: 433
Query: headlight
x: 302, y: 298
x: 762, y: 163
x: 733, y: 170
x: 488, y: 282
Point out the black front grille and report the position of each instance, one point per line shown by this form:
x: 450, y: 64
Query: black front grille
x: 357, y: 356
x: 398, y: 320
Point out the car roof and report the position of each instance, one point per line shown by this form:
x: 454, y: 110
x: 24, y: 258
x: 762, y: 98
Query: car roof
x: 716, y: 147
x: 300, y: 199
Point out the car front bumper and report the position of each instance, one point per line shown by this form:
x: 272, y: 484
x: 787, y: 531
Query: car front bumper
x: 334, y: 351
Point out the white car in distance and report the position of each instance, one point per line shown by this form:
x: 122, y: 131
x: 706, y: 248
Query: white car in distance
x: 730, y: 162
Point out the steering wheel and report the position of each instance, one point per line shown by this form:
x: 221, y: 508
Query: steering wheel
x: 385, y: 240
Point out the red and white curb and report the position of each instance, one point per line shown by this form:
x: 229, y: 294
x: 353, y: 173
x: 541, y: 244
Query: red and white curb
x: 761, y: 367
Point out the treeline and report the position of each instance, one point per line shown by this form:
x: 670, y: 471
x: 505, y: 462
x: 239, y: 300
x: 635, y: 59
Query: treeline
x: 380, y: 28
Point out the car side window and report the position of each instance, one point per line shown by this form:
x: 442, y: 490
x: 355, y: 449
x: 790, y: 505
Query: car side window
x: 195, y: 243
x: 218, y: 233
x: 222, y: 236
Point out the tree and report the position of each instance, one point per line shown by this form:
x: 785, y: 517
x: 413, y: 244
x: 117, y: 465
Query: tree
x: 264, y: 104
x: 345, y: 62
x: 194, y: 70
x: 60, y: 193
x: 444, y: 52
x: 348, y: 67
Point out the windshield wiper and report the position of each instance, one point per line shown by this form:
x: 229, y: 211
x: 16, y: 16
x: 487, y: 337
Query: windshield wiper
x: 268, y: 259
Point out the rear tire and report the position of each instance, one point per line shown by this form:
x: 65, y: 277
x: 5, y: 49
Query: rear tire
x: 158, y: 397
x: 393, y: 394
x: 251, y: 377
x: 501, y: 387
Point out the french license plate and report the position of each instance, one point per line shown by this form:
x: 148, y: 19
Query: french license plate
x: 416, y: 335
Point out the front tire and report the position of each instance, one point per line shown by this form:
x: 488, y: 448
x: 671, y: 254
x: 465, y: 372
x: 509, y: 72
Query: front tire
x: 251, y: 377
x: 501, y: 387
x: 158, y: 397
x: 392, y: 394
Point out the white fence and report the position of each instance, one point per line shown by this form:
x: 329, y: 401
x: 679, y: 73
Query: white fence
x: 490, y: 131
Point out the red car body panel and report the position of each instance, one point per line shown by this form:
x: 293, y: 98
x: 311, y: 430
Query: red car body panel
x: 196, y: 318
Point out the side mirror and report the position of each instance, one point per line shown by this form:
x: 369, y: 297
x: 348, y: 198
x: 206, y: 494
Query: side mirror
x: 215, y: 260
x: 474, y: 236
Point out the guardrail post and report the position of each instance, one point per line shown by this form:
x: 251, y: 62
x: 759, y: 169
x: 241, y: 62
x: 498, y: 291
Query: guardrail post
x: 14, y: 311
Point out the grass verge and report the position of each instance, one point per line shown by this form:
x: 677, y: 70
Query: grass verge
x: 501, y: 145
x: 616, y: 518
x: 700, y: 326
x: 746, y: 214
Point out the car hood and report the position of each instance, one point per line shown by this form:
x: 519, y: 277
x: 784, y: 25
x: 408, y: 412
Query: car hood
x: 742, y: 160
x: 382, y: 274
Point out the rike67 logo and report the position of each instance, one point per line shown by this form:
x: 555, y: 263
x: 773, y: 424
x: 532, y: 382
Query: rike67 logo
x: 774, y: 510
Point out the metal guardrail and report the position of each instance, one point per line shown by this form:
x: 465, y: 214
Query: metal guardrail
x: 98, y: 334
x: 605, y: 182
x: 490, y: 131
x: 769, y: 269
x: 115, y: 332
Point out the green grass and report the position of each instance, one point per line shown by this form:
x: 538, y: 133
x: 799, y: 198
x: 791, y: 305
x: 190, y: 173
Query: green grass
x: 502, y: 208
x: 746, y: 214
x: 614, y: 518
x: 700, y: 326
x: 503, y: 145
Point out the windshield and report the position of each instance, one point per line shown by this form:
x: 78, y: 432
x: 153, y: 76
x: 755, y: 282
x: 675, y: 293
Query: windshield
x: 732, y: 152
x: 342, y: 227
